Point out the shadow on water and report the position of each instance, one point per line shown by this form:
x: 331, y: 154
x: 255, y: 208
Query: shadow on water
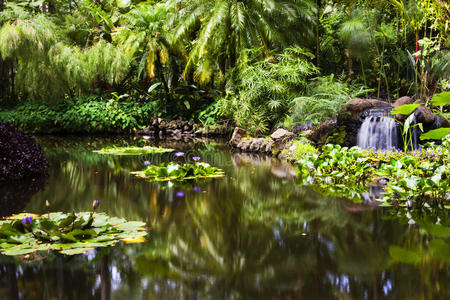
x: 14, y: 196
x: 254, y: 234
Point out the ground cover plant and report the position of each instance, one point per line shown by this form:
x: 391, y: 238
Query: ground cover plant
x: 177, y: 172
x: 66, y: 233
x: 132, y: 150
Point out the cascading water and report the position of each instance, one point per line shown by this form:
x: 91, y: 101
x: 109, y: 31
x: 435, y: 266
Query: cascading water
x: 378, y: 130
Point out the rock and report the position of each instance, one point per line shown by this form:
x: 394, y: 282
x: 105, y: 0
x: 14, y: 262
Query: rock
x: 199, y: 132
x: 356, y: 106
x: 320, y: 133
x: 424, y: 115
x: 282, y: 134
x: 401, y: 101
x: 237, y: 136
x: 440, y: 122
x: 266, y: 146
x: 256, y: 144
x: 245, y: 145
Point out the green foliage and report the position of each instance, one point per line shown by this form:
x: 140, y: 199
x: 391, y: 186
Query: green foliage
x: 92, y: 115
x: 441, y: 99
x: 324, y: 98
x: 132, y: 150
x: 49, y: 69
x: 420, y: 177
x: 68, y: 234
x: 227, y: 27
x: 436, y: 134
x: 408, y: 127
x: 303, y: 147
x: 268, y: 87
x: 405, y: 109
x: 177, y: 172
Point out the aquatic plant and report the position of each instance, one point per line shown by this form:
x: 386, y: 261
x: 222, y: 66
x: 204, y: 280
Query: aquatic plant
x: 173, y: 171
x: 421, y: 177
x: 66, y: 233
x: 132, y: 150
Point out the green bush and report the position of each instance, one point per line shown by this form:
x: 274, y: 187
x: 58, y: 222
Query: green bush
x: 91, y: 115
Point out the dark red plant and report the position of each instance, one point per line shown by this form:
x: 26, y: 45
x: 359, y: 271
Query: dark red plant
x: 20, y: 157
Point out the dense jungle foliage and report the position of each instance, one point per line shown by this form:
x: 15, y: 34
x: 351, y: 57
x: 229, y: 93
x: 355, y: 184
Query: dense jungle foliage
x: 110, y: 65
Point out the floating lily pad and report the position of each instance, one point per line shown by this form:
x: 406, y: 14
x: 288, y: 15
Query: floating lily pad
x: 133, y: 150
x: 66, y: 233
x: 177, y: 172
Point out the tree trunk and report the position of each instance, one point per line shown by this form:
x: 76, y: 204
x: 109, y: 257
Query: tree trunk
x: 318, y: 4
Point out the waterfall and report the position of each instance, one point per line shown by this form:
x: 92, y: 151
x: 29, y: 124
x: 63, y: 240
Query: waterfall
x: 378, y: 130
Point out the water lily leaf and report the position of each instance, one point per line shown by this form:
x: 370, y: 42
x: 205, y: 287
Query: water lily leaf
x: 18, y: 251
x: 134, y: 240
x: 435, y: 134
x: 130, y: 226
x: 132, y: 150
x: 441, y: 99
x: 404, y: 256
x: 76, y: 251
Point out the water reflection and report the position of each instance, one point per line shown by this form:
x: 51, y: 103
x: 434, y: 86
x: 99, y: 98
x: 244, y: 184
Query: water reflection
x: 251, y: 235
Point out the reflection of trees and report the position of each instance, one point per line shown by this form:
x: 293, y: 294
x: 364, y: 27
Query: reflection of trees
x: 250, y: 235
x: 259, y: 235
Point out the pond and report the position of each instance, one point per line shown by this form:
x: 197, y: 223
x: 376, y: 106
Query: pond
x: 254, y: 234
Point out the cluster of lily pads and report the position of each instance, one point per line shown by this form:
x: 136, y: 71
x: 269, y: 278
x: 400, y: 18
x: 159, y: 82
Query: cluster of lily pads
x: 66, y: 233
x: 414, y: 179
x: 174, y: 171
x: 133, y: 150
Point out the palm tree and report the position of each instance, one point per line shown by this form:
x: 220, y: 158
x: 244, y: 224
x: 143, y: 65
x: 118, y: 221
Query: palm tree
x: 225, y: 28
x: 146, y: 34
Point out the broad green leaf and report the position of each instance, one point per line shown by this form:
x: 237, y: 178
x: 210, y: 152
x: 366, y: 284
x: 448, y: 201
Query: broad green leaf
x: 405, y: 109
x: 18, y: 251
x: 435, y: 134
x: 441, y: 99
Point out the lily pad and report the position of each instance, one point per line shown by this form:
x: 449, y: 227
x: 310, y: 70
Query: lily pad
x: 178, y: 172
x: 133, y: 150
x: 67, y: 234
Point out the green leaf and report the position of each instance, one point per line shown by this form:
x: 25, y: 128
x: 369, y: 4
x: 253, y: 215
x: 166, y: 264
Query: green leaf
x: 154, y: 86
x: 18, y: 251
x: 436, y: 134
x: 405, y: 109
x: 441, y: 99
x: 75, y: 251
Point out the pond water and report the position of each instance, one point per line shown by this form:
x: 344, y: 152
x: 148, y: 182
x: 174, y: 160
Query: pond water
x: 254, y: 234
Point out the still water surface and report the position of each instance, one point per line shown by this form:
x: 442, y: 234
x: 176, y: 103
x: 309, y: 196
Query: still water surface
x: 254, y: 234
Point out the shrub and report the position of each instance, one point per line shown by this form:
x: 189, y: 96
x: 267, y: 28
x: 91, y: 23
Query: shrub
x: 19, y: 155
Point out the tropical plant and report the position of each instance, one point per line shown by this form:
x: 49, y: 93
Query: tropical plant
x: 324, y: 98
x: 268, y: 87
x: 227, y: 27
x: 409, y: 126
